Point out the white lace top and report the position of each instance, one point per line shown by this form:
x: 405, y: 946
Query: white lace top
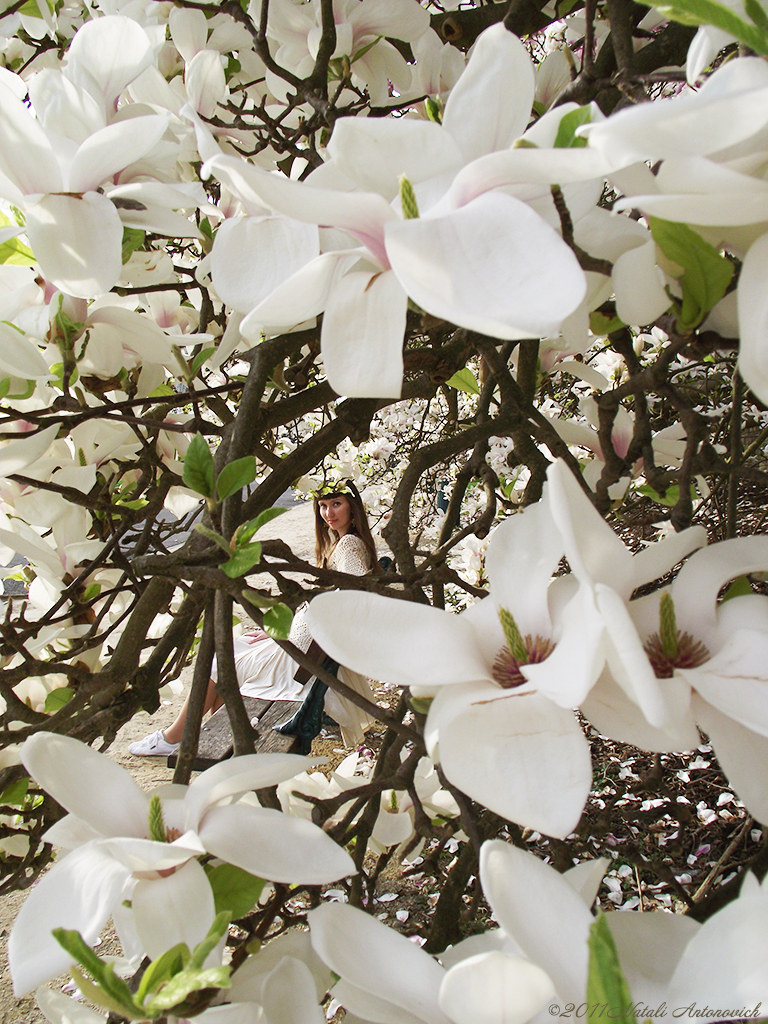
x: 351, y: 556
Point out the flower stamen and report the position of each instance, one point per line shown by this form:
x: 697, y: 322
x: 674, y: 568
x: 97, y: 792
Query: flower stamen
x: 506, y: 669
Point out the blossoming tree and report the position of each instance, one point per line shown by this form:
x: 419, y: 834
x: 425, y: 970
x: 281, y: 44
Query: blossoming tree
x: 503, y: 264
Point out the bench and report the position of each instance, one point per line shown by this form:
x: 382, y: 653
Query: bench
x: 216, y: 735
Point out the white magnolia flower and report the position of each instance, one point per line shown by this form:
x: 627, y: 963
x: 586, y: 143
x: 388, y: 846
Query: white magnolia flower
x: 113, y: 858
x: 687, y: 661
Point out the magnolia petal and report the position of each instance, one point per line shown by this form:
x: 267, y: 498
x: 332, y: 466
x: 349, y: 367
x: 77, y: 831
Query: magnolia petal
x: 252, y: 256
x: 493, y: 987
x: 87, y: 784
x: 61, y: 1009
x: 106, y: 152
x: 637, y: 281
x: 396, y: 19
x: 147, y: 855
x: 541, y: 912
x: 363, y: 214
x: 490, y: 105
x: 753, y: 318
x: 434, y: 647
x: 649, y: 947
x: 522, y: 557
x: 289, y: 996
x: 16, y: 456
x: 695, y: 589
x: 735, y: 679
x: 113, y: 50
x: 177, y: 908
x: 236, y: 776
x: 742, y: 753
x: 362, y: 335
x: 377, y: 960
x: 206, y: 82
x: 26, y: 158
x: 301, y: 297
x: 248, y: 980
x: 496, y: 746
x: 137, y: 334
x: 77, y: 893
x: 77, y: 241
x: 20, y: 357
x: 273, y: 845
x: 586, y: 877
x: 189, y: 31
x: 374, y: 151
x: 492, y: 266
x: 657, y: 559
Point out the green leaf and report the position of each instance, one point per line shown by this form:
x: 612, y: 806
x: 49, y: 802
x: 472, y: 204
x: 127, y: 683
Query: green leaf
x: 113, y: 988
x: 56, y: 699
x: 91, y: 591
x: 199, y: 359
x: 216, y: 932
x: 244, y: 532
x: 242, y: 561
x: 464, y: 380
x: 234, y: 891
x: 100, y: 997
x: 235, y: 476
x: 173, y: 995
x: 421, y: 705
x: 14, y: 252
x: 670, y: 498
x: 162, y: 391
x: 258, y: 600
x: 708, y: 12
x: 566, y: 137
x: 212, y: 535
x: 706, y: 274
x: 133, y: 239
x: 198, y: 467
x: 15, y: 795
x: 756, y: 13
x: 33, y: 9
x: 606, y: 984
x: 602, y: 325
x: 162, y: 970
x: 277, y: 622
x: 740, y: 587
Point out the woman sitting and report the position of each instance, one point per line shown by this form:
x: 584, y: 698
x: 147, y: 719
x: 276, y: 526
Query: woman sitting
x: 343, y: 542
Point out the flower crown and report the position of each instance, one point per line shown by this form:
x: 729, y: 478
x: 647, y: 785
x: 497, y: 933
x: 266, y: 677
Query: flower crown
x: 335, y: 487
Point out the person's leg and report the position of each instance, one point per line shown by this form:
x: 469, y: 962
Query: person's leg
x: 212, y: 703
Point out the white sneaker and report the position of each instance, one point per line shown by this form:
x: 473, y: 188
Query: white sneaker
x: 155, y: 745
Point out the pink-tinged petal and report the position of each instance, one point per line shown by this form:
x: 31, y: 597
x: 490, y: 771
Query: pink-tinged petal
x: 376, y: 960
x: 374, y: 151
x: 492, y: 266
x: 433, y: 647
x: 77, y: 240
x: 273, y: 845
x: 177, y: 908
x: 362, y: 214
x: 141, y: 856
x: 108, y: 151
x: 522, y: 557
x: 637, y: 281
x: 26, y: 156
x: 77, y: 893
x: 396, y: 19
x: 16, y: 456
x: 541, y: 912
x: 289, y: 995
x: 301, y: 297
x: 726, y: 961
x: 362, y: 335
x: 613, y: 714
x: 697, y: 585
x: 113, y: 51
x: 490, y: 105
x: 493, y: 987
x: 496, y: 746
x: 742, y: 754
x: 753, y: 318
x: 87, y: 784
x: 237, y: 776
x: 731, y: 106
x: 136, y: 334
x: 252, y: 256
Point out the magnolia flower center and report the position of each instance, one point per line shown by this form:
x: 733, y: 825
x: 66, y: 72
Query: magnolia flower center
x: 671, y: 647
x: 688, y: 653
x: 506, y: 670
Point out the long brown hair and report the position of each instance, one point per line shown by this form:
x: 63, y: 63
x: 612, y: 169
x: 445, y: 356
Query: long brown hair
x: 326, y: 539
